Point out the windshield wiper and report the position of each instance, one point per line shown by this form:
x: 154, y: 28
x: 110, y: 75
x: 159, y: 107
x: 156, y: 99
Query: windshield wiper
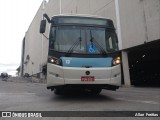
x: 93, y: 41
x: 75, y: 44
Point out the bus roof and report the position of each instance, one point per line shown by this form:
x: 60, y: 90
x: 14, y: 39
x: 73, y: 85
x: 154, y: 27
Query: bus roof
x: 80, y: 15
x: 82, y: 19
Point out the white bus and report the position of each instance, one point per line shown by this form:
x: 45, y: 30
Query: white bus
x: 83, y: 54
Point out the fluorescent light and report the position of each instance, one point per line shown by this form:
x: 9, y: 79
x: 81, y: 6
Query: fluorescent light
x: 143, y: 56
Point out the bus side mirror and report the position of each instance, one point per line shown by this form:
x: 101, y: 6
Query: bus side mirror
x: 43, y: 26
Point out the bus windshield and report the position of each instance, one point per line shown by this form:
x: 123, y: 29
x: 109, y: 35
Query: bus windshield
x: 86, y: 40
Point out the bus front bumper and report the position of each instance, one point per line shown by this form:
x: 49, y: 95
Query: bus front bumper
x: 59, y: 76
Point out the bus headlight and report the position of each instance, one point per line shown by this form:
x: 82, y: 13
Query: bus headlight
x: 54, y: 60
x: 116, y: 61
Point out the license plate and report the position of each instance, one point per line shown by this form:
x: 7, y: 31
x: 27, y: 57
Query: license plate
x: 87, y: 78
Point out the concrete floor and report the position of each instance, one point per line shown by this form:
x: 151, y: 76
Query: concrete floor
x: 23, y: 95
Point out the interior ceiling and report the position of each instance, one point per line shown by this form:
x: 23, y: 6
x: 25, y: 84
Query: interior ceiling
x: 147, y: 53
x: 144, y: 64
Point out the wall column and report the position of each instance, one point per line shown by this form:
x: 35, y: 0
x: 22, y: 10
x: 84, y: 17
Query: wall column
x: 125, y: 67
x: 118, y: 20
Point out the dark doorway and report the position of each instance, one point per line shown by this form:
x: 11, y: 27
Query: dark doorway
x: 144, y: 64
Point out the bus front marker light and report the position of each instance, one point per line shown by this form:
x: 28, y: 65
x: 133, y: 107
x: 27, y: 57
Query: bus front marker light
x: 52, y: 60
x: 57, y: 62
x: 117, y: 61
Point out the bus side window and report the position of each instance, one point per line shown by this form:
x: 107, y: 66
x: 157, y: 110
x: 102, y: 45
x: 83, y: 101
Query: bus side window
x: 110, y: 43
x: 52, y: 38
x: 110, y: 46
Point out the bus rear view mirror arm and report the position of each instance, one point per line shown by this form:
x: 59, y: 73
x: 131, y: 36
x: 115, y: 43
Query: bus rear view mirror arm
x: 47, y: 18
